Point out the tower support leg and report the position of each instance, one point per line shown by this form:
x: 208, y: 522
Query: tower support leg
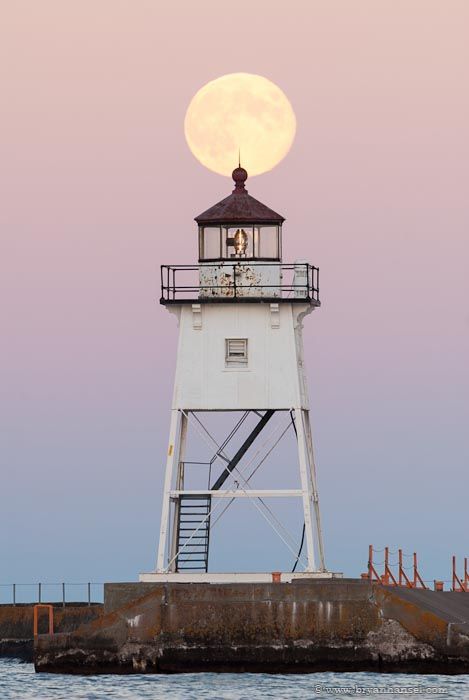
x: 179, y: 487
x: 165, y: 510
x: 310, y: 491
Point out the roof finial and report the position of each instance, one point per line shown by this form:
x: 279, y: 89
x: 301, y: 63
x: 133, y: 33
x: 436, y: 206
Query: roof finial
x: 239, y: 157
x: 239, y: 176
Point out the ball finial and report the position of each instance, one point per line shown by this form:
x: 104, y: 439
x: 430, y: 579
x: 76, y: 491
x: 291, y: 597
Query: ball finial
x: 239, y: 176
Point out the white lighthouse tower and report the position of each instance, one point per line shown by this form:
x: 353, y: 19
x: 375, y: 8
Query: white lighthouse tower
x: 240, y: 313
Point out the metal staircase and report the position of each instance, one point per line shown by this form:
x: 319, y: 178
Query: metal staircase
x: 193, y: 533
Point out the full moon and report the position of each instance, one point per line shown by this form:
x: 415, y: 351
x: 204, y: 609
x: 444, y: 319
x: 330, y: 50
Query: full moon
x: 240, y: 113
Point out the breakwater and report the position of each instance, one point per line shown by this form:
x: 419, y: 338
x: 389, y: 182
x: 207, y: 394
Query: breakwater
x: 303, y: 626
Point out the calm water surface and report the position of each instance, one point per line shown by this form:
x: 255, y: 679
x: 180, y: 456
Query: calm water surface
x: 18, y: 681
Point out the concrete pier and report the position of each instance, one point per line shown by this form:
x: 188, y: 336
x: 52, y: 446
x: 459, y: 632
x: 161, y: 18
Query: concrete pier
x: 16, y: 625
x: 303, y: 626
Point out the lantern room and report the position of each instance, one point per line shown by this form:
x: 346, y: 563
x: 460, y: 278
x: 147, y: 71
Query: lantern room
x: 240, y: 228
x: 240, y: 257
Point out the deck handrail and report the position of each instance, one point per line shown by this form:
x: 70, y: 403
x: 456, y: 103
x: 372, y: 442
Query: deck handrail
x: 172, y: 291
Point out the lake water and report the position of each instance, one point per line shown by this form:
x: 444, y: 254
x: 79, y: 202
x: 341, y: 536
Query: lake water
x: 19, y: 682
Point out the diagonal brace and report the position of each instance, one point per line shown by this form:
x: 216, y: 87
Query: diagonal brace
x: 242, y: 450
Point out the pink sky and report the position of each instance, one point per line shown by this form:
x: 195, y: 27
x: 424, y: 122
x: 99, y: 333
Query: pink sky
x: 98, y: 189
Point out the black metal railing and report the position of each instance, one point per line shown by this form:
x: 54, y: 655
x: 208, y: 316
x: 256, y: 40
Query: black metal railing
x: 63, y: 593
x: 240, y: 281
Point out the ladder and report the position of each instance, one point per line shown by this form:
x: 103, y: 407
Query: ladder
x: 193, y: 533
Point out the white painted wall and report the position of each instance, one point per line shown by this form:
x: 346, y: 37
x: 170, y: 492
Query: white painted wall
x: 274, y: 377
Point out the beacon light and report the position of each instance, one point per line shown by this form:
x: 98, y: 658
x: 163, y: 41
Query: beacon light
x: 240, y: 240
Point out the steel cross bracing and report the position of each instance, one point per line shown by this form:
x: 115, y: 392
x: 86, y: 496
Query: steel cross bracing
x: 254, y: 471
x: 243, y: 492
x: 192, y: 518
x: 196, y: 544
x: 192, y: 548
x: 242, y: 450
x: 254, y: 494
x: 307, y: 492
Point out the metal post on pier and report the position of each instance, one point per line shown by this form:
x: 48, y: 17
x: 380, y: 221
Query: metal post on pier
x: 417, y: 577
x: 89, y: 593
x: 402, y: 574
x: 63, y: 595
x: 387, y: 569
x: 39, y: 592
x: 371, y: 569
x: 385, y: 578
x: 458, y: 585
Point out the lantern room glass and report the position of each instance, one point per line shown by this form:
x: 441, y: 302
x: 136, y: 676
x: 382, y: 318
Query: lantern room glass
x: 240, y: 242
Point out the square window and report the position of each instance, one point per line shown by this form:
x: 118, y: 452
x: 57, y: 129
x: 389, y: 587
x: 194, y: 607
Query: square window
x: 268, y: 242
x: 236, y: 352
x: 209, y: 243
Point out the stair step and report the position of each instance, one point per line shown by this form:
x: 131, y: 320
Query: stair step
x: 191, y: 561
x: 191, y: 501
x: 200, y: 513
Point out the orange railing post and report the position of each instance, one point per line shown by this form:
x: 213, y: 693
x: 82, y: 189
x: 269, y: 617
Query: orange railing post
x: 466, y: 576
x: 50, y: 609
x: 458, y: 585
x: 402, y: 574
x: 387, y: 569
x: 385, y: 578
x: 417, y: 577
x: 371, y: 569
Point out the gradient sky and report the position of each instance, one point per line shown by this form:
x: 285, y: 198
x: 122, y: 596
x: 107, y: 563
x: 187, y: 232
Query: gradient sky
x: 98, y: 188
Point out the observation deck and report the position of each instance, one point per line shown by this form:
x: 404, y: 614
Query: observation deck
x: 241, y: 281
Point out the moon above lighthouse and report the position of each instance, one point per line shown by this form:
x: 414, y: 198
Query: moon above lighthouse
x: 240, y: 113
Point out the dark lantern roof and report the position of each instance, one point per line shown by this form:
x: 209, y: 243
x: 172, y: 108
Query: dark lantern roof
x: 239, y: 207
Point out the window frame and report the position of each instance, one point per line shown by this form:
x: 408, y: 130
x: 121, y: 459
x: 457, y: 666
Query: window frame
x: 255, y: 235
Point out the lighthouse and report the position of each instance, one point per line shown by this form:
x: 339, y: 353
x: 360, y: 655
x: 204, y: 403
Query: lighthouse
x: 240, y: 312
